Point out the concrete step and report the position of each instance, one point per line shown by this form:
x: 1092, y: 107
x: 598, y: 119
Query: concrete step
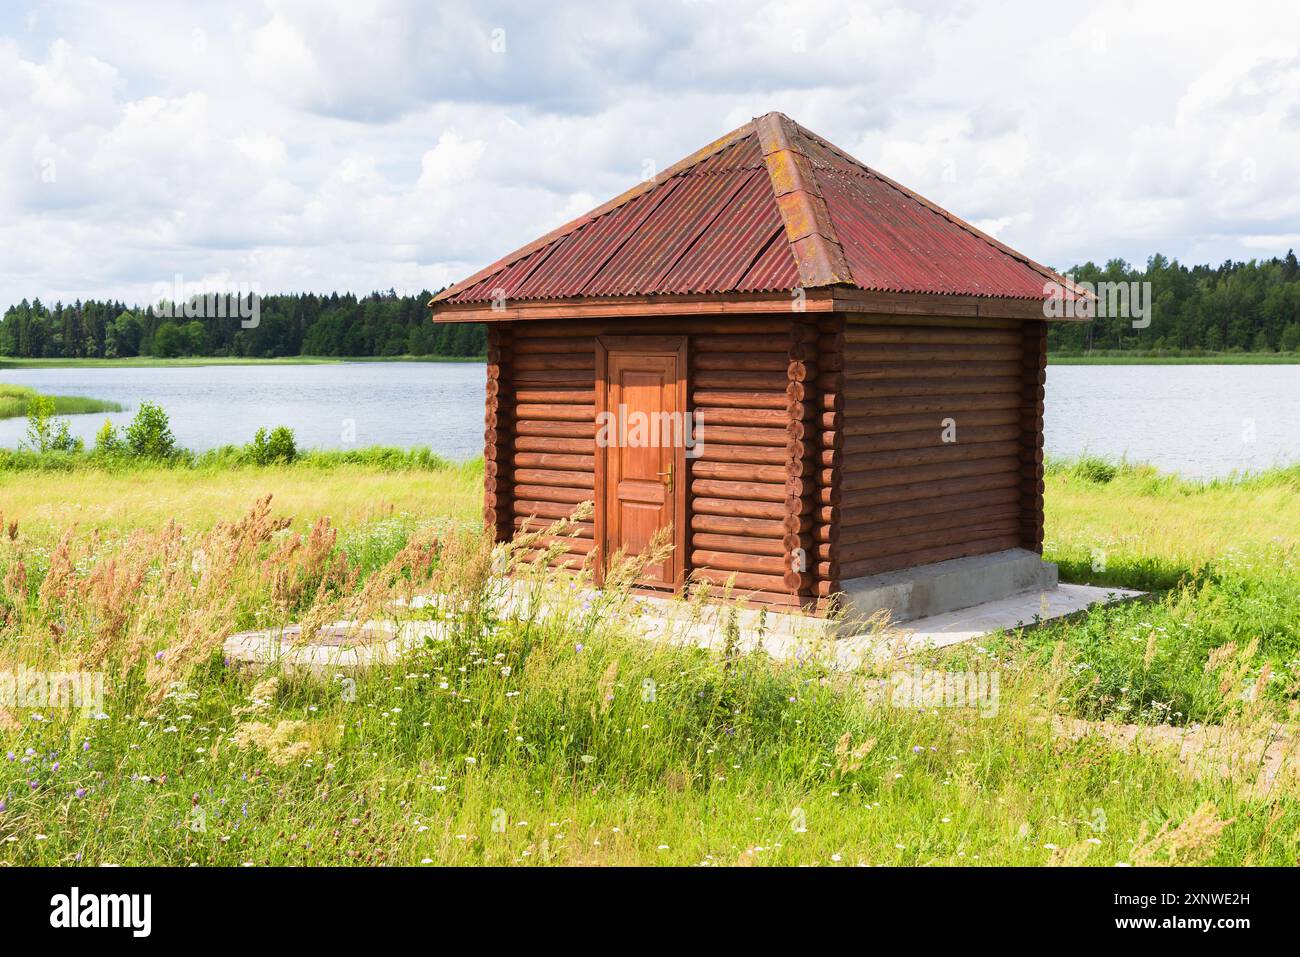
x: 945, y: 586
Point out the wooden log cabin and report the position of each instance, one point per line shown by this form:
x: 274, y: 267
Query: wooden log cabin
x: 861, y: 371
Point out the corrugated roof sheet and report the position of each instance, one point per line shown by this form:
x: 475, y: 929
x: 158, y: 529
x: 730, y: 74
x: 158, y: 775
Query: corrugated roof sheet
x: 711, y: 224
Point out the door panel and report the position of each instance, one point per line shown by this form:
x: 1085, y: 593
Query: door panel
x: 641, y: 390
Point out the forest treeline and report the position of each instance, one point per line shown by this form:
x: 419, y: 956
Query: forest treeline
x: 380, y: 324
x: 1234, y: 307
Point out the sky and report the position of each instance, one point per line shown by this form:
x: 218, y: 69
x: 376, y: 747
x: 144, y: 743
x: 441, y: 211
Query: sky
x: 293, y: 145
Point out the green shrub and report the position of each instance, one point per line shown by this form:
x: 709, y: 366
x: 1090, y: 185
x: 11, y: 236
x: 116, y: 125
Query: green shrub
x: 150, y: 435
x: 107, y: 440
x: 45, y: 433
x: 276, y: 448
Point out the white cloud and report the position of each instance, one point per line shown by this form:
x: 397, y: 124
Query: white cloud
x: 377, y: 143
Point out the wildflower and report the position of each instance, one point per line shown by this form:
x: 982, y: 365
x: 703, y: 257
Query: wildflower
x: 80, y: 793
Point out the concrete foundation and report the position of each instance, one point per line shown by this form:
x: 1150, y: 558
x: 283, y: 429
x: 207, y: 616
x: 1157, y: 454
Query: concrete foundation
x: 929, y: 590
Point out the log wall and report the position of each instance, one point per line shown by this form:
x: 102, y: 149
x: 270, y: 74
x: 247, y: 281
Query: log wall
x: 752, y: 491
x: 907, y: 496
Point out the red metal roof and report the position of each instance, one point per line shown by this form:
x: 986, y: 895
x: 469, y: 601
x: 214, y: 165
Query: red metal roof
x: 769, y: 207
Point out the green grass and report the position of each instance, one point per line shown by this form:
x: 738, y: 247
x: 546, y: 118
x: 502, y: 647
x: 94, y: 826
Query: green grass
x: 1103, y: 357
x: 152, y: 362
x: 14, y: 400
x: 563, y: 740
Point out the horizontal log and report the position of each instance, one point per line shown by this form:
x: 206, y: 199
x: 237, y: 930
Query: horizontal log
x: 734, y: 344
x: 734, y: 525
x: 875, y: 369
x: 870, y: 498
x: 753, y: 454
x: 884, y: 354
x: 857, y: 523
x: 742, y: 435
x: 867, y: 424
x: 875, y: 530
x: 928, y: 556
x: 769, y: 362
x: 865, y: 315
x: 733, y: 399
x: 738, y: 471
x: 740, y: 582
x: 882, y: 478
x: 740, y: 491
x: 937, y: 452
x: 535, y: 396
x: 760, y: 418
x: 739, y: 381
x: 938, y: 335
x: 557, y: 429
x: 555, y: 477
x: 575, y: 530
x: 925, y: 438
x: 555, y: 360
x: 547, y: 443
x: 739, y: 325
x: 557, y: 413
x: 912, y: 540
x: 874, y: 388
x: 739, y: 508
x: 948, y: 405
x: 554, y: 345
x: 554, y: 460
x: 542, y: 510
x: 737, y: 544
x: 552, y: 493
x: 556, y: 378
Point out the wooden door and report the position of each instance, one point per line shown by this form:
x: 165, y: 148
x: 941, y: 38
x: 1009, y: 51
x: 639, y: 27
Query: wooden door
x: 640, y: 455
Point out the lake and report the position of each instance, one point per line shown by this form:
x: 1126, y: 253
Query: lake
x: 1196, y: 420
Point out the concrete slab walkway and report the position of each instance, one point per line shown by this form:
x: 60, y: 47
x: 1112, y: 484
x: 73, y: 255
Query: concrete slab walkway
x: 348, y: 645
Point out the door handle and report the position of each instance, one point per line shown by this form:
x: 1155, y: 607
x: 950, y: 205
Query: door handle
x: 669, y: 481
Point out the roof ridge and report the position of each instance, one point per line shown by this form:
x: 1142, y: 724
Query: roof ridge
x: 809, y: 230
x: 934, y: 207
x: 712, y: 149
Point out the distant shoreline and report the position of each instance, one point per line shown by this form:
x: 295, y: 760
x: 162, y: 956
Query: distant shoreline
x: 151, y: 361
x: 1220, y: 359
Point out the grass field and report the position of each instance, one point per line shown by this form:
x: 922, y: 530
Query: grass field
x: 15, y: 399
x: 563, y: 741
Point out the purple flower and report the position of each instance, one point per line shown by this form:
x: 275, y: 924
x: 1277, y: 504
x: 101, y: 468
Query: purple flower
x: 917, y: 749
x: 54, y: 766
x: 33, y: 784
x: 85, y: 746
x: 80, y: 792
x: 4, y: 805
x: 578, y: 647
x: 159, y: 656
x: 11, y: 756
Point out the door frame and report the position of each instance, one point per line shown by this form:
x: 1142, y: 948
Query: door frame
x: 649, y: 346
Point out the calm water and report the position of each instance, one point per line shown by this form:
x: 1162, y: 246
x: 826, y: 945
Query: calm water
x: 1196, y: 420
